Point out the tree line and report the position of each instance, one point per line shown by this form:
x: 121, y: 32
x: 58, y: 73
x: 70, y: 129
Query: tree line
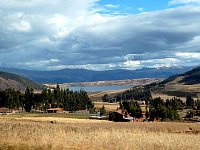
x: 48, y: 98
x: 137, y: 93
x: 157, y: 107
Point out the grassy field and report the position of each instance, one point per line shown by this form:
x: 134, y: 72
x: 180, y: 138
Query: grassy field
x: 111, y: 106
x: 97, y: 96
x: 108, y: 106
x: 38, y: 133
x: 56, y: 115
x: 165, y: 96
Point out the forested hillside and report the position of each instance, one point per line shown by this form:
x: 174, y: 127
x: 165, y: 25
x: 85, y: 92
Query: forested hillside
x: 9, y: 80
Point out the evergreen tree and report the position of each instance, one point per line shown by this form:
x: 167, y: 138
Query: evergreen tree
x: 102, y: 111
x: 189, y: 101
x: 105, y: 98
x: 29, y: 99
x: 133, y: 108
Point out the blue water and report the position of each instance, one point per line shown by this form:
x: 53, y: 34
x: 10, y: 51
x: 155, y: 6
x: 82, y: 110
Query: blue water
x: 99, y: 88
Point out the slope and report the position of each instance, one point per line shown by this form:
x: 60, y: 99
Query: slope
x: 9, y: 80
x: 184, y: 84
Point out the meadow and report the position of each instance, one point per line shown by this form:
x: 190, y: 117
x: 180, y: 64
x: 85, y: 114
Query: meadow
x: 28, y: 132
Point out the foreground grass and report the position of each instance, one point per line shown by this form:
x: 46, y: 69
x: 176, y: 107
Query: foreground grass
x: 66, y: 133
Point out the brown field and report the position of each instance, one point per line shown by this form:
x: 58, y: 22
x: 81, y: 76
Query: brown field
x: 108, y: 106
x: 175, y: 85
x: 97, y: 96
x: 165, y: 96
x: 38, y: 133
x: 111, y: 106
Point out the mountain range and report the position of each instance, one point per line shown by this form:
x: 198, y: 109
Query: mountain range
x: 83, y: 75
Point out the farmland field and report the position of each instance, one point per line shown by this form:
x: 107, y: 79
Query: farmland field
x: 108, y: 106
x: 66, y: 133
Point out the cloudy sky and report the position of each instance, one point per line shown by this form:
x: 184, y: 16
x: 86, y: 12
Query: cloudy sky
x: 99, y: 34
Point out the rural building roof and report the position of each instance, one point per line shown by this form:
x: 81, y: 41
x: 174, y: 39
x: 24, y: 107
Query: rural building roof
x: 119, y: 111
x: 4, y: 109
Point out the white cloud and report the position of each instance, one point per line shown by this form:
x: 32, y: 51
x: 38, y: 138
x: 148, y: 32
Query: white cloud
x: 54, y: 60
x: 71, y: 33
x: 175, y: 2
x: 111, y: 6
x: 22, y: 26
x: 131, y: 64
x: 141, y: 9
x: 187, y: 55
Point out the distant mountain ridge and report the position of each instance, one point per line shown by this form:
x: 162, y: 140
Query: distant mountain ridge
x: 83, y: 75
x: 10, y: 80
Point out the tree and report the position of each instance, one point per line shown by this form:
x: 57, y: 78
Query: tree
x: 102, y: 111
x: 45, y: 99
x: 164, y: 110
x: 197, y: 103
x: 133, y: 108
x: 105, y: 98
x: 29, y: 99
x: 189, y: 101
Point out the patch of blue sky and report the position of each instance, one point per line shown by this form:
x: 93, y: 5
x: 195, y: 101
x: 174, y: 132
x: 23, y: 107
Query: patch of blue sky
x: 116, y: 7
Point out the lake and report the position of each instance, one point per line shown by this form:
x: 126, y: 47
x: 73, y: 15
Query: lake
x: 99, y: 88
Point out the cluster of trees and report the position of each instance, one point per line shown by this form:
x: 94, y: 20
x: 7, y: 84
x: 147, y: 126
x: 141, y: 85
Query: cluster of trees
x: 158, y: 108
x: 131, y: 107
x: 163, y: 109
x: 69, y: 100
x: 166, y: 110
x: 137, y: 93
x: 107, y: 98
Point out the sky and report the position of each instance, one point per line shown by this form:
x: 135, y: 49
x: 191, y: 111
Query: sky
x: 99, y: 34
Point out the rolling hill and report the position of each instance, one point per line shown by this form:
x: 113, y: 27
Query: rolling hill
x: 82, y: 75
x: 9, y: 80
x: 184, y: 84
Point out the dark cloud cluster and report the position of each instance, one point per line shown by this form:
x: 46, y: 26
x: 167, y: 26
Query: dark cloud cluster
x: 60, y: 34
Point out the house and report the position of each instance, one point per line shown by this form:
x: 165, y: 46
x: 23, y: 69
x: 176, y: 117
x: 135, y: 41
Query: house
x: 4, y: 110
x: 55, y: 110
x: 120, y: 116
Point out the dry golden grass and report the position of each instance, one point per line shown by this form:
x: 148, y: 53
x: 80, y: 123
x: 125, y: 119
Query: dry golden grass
x: 97, y: 96
x: 108, y: 106
x: 39, y: 133
x: 165, y: 96
x: 111, y: 106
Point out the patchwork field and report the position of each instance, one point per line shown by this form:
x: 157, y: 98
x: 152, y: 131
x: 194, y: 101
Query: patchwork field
x: 65, y: 133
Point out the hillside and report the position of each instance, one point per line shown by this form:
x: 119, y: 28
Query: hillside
x: 9, y: 80
x: 82, y: 75
x: 184, y: 84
